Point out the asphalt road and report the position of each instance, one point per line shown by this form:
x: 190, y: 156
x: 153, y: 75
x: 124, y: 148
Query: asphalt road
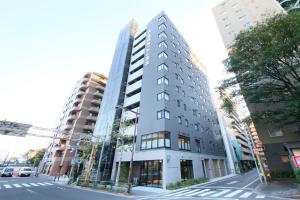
x: 32, y: 188
x: 239, y: 187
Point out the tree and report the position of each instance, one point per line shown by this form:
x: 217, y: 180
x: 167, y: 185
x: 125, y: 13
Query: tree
x: 35, y: 159
x: 266, y: 62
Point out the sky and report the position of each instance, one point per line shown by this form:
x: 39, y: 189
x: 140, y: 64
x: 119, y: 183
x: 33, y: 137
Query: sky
x: 46, y: 46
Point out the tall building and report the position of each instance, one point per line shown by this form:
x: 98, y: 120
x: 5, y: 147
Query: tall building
x: 78, y: 117
x: 177, y: 130
x: 290, y: 5
x: 233, y: 16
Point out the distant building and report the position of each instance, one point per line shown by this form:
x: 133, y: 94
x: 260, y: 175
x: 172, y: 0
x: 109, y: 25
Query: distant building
x: 78, y: 117
x: 233, y: 16
x: 178, y: 134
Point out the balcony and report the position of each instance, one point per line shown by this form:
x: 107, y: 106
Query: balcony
x: 75, y: 108
x: 89, y: 127
x: 93, y: 118
x: 98, y: 94
x: 139, y: 46
x: 140, y: 53
x: 95, y: 101
x: 67, y: 127
x: 71, y: 117
x: 131, y: 100
x: 94, y: 109
x: 134, y: 86
x: 135, y: 75
x: 139, y: 39
x: 136, y: 65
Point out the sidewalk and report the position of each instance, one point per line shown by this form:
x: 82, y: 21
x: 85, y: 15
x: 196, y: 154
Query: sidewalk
x: 285, y: 189
x: 62, y: 180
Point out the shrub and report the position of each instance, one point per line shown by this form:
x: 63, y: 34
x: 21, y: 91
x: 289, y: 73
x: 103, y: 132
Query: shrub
x: 186, y: 183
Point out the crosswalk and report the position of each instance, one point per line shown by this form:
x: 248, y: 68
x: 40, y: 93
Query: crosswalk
x: 210, y: 193
x: 24, y: 185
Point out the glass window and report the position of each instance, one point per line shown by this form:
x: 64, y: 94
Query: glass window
x: 181, y: 80
x: 177, y: 88
x: 162, y: 35
x: 162, y: 66
x: 163, y: 95
x: 183, y: 93
x: 184, y: 143
x: 186, y: 122
x: 163, y: 80
x: 162, y: 19
x: 178, y: 103
x: 196, y: 126
x: 162, y: 26
x: 162, y: 55
x: 184, y: 107
x: 198, y: 146
x: 163, y: 114
x: 155, y: 140
x: 179, y: 120
x: 163, y: 44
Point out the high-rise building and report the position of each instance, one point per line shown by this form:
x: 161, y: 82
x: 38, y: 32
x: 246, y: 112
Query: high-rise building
x: 233, y: 16
x: 290, y: 5
x: 78, y: 117
x: 177, y: 130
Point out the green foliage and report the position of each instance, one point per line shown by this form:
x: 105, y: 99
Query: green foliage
x: 282, y: 175
x: 266, y: 62
x: 187, y: 183
x: 86, y: 152
x: 36, y: 159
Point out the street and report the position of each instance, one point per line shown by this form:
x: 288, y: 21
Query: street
x: 32, y: 188
x: 237, y: 187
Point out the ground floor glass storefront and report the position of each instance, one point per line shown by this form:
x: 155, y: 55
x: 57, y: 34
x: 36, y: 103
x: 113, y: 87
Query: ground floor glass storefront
x: 151, y: 173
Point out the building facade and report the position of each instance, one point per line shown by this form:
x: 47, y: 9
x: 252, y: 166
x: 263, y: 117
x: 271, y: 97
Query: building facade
x: 273, y: 144
x: 78, y: 117
x: 290, y: 5
x: 177, y: 130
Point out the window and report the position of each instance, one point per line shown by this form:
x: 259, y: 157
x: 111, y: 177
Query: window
x: 179, y: 120
x: 198, y: 146
x: 242, y: 17
x: 189, y: 77
x: 275, y: 133
x: 194, y: 112
x: 163, y: 80
x: 178, y: 103
x: 247, y: 25
x: 162, y: 66
x: 176, y: 76
x: 162, y: 35
x: 163, y: 95
x: 162, y: 26
x: 177, y: 88
x: 184, y: 107
x: 227, y: 26
x: 162, y: 19
x: 183, y: 93
x: 163, y: 44
x: 163, y: 114
x: 156, y: 140
x: 181, y: 80
x: 186, y: 123
x: 162, y: 55
x: 184, y: 143
x: 196, y: 126
x: 181, y: 70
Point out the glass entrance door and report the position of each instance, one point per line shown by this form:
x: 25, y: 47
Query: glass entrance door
x: 151, y: 173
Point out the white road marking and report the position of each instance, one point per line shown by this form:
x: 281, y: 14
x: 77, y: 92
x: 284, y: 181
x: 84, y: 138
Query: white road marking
x: 260, y: 196
x: 196, y: 193
x: 246, y: 195
x: 189, y: 192
x: 206, y: 193
x: 61, y: 188
x: 232, y: 182
x: 175, y: 193
x: 250, y: 183
x: 30, y: 191
x: 33, y: 184
x: 46, y: 183
x: 17, y: 185
x: 42, y: 184
x: 7, y: 186
x: 26, y: 185
x: 233, y: 193
x: 221, y: 193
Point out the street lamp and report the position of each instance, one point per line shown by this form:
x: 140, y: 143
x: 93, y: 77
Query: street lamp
x: 133, y: 146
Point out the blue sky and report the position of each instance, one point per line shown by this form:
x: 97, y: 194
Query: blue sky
x: 46, y: 46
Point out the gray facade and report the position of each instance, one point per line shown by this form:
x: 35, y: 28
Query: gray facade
x: 178, y: 133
